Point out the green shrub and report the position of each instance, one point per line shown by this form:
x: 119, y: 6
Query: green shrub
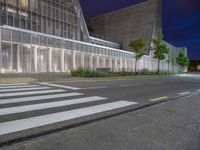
x: 88, y: 73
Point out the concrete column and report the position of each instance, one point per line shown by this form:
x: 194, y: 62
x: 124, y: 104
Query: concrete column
x: 35, y: 59
x: 104, y: 62
x: 50, y: 60
x: 98, y: 61
x: 82, y: 60
x: 116, y: 65
x: 91, y: 62
x: 121, y: 63
x: 74, y: 60
x: 1, y: 57
x: 110, y: 62
x: 62, y: 61
x: 18, y: 59
x: 125, y: 63
x: 11, y: 63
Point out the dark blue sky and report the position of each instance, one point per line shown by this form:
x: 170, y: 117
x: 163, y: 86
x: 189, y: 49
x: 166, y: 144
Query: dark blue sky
x: 181, y: 20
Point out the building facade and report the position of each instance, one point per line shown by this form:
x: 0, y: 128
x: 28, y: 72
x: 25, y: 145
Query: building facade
x: 41, y: 36
x: 47, y: 16
x: 142, y: 20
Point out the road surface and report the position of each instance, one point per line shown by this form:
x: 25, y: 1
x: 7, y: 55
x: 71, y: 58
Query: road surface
x: 121, y: 114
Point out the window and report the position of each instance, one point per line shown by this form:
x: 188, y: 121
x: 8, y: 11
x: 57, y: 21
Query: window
x: 10, y: 20
x: 68, y: 45
x: 62, y: 44
x: 42, y: 40
x: 35, y: 39
x: 11, y: 2
x: 16, y: 36
x: 6, y: 35
x: 6, y: 56
x: 23, y: 4
x: 26, y: 37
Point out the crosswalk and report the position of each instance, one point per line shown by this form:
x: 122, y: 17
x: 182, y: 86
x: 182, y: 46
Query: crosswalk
x: 48, y: 104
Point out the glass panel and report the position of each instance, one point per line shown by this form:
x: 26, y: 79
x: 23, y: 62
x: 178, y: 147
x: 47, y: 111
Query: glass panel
x: 26, y: 58
x: 78, y: 47
x: 86, y: 61
x: 78, y: 60
x: 50, y: 42
x: 12, y: 2
x: 68, y: 45
x: 6, y: 35
x: 26, y: 37
x: 35, y: 39
x: 33, y: 4
x: 16, y: 50
x: 23, y: 4
x: 10, y: 20
x: 62, y: 44
x: 42, y: 56
x: 56, y: 60
x: 16, y: 36
x: 42, y: 40
x: 68, y: 60
x: 56, y: 43
x: 83, y: 48
x: 6, y: 56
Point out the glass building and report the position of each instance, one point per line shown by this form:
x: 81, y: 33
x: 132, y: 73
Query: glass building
x: 55, y: 17
x: 40, y: 36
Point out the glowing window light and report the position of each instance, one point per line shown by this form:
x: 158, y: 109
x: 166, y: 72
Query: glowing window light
x: 23, y: 3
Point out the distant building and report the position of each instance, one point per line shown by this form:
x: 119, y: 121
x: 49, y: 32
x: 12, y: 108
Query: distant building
x: 40, y: 36
x: 142, y: 20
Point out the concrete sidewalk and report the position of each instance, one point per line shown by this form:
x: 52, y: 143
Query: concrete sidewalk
x: 19, y: 78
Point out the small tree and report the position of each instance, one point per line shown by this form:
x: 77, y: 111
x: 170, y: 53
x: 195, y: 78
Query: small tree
x: 138, y: 46
x: 182, y: 59
x: 160, y: 48
x: 169, y: 60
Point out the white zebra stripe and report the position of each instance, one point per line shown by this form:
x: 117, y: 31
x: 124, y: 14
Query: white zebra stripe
x: 60, y: 86
x: 25, y: 89
x: 38, y: 98
x: 15, y: 84
x: 33, y: 122
x: 26, y: 108
x: 3, y: 95
x: 20, y: 86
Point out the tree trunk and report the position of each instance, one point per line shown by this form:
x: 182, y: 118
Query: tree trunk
x: 158, y: 67
x: 168, y: 67
x: 136, y: 66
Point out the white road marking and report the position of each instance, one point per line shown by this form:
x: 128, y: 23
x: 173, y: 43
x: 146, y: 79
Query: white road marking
x: 37, y: 98
x: 158, y: 99
x: 127, y: 85
x: 20, y: 86
x: 184, y: 93
x: 100, y: 87
x: 60, y: 86
x: 33, y: 122
x: 24, y: 89
x: 14, y: 84
x: 2, y: 95
x: 26, y: 108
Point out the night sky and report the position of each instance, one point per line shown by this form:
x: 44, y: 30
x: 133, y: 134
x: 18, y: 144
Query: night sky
x: 181, y: 20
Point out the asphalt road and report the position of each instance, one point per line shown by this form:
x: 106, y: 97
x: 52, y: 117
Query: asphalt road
x: 141, y: 113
